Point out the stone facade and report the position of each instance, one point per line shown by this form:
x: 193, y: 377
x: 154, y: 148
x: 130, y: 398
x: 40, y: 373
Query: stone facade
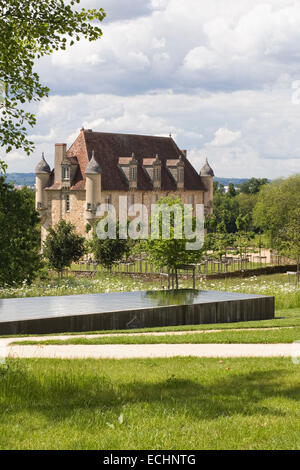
x: 99, y: 168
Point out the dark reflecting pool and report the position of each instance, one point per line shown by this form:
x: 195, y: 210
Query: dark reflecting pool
x: 73, y: 305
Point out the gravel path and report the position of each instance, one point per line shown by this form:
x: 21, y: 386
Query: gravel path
x: 126, y: 351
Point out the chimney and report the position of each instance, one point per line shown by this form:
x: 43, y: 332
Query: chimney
x: 184, y: 153
x: 60, y: 153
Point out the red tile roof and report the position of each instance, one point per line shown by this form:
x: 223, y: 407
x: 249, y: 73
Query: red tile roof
x: 109, y: 147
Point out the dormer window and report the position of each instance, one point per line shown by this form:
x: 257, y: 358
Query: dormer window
x: 66, y: 172
x: 133, y: 163
x: 180, y: 175
x: 157, y: 173
x: 132, y: 173
x: 176, y: 169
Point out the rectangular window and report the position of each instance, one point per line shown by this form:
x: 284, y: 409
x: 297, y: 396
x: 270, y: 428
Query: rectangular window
x: 132, y: 173
x: 66, y: 172
x: 180, y: 175
x: 107, y: 201
x: 67, y: 203
x: 130, y: 199
x: 191, y: 200
x: 156, y: 173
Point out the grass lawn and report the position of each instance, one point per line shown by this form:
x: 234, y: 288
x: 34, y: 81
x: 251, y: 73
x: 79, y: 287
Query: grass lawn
x: 280, y: 335
x: 178, y: 403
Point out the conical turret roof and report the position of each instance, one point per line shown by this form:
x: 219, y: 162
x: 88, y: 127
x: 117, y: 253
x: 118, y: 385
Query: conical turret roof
x: 42, y: 166
x: 93, y: 167
x: 206, y: 170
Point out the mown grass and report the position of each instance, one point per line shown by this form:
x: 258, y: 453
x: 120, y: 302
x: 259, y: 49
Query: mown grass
x: 178, y: 403
x: 280, y: 335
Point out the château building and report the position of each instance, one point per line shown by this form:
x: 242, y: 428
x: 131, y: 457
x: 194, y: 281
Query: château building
x: 99, y: 167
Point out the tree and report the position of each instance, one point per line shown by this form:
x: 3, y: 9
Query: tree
x: 19, y: 235
x: 220, y: 241
x: 231, y: 190
x: 109, y: 251
x: 253, y: 185
x: 289, y: 238
x: 225, y: 211
x: 276, y: 207
x: 30, y: 30
x: 243, y: 236
x: 173, y: 251
x: 246, y: 204
x: 63, y: 246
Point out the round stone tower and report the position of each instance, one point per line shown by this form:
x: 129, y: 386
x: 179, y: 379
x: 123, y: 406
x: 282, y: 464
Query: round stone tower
x: 92, y: 187
x: 42, y: 174
x: 207, y: 176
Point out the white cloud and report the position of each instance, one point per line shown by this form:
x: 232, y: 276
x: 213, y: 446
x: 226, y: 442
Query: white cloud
x: 200, y: 58
x: 224, y: 137
x: 259, y: 139
x: 185, y: 67
x: 14, y: 157
x: 159, y: 4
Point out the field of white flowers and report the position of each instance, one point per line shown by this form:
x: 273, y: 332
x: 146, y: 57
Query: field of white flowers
x: 287, y: 294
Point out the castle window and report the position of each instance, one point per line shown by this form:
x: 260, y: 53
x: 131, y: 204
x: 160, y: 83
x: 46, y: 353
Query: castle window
x: 89, y: 206
x: 67, y: 203
x: 130, y: 199
x: 180, y: 175
x: 66, y: 172
x: 156, y: 173
x: 132, y: 173
x: 107, y: 201
x: 191, y: 199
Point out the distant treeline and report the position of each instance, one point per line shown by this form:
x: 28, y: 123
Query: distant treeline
x: 28, y: 179
x: 22, y: 179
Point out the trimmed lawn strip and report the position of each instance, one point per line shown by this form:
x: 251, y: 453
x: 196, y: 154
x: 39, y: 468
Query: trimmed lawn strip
x: 178, y: 403
x: 284, y: 335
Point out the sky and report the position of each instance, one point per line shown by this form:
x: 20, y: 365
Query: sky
x: 223, y: 77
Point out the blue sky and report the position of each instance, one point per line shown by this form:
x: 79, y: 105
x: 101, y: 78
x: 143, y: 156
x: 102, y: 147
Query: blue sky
x: 221, y: 76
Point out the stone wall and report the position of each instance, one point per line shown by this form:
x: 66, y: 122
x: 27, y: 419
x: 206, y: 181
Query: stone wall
x: 56, y: 205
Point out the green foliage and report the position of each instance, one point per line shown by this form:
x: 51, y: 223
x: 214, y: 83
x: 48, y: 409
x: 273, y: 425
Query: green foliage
x: 28, y: 31
x: 277, y: 209
x: 88, y: 228
x: 253, y: 185
x: 290, y: 237
x: 225, y: 210
x: 170, y: 252
x: 19, y: 235
x: 63, y: 246
x: 229, y: 207
x: 218, y: 242
x: 231, y: 190
x: 109, y: 251
x: 242, y: 222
